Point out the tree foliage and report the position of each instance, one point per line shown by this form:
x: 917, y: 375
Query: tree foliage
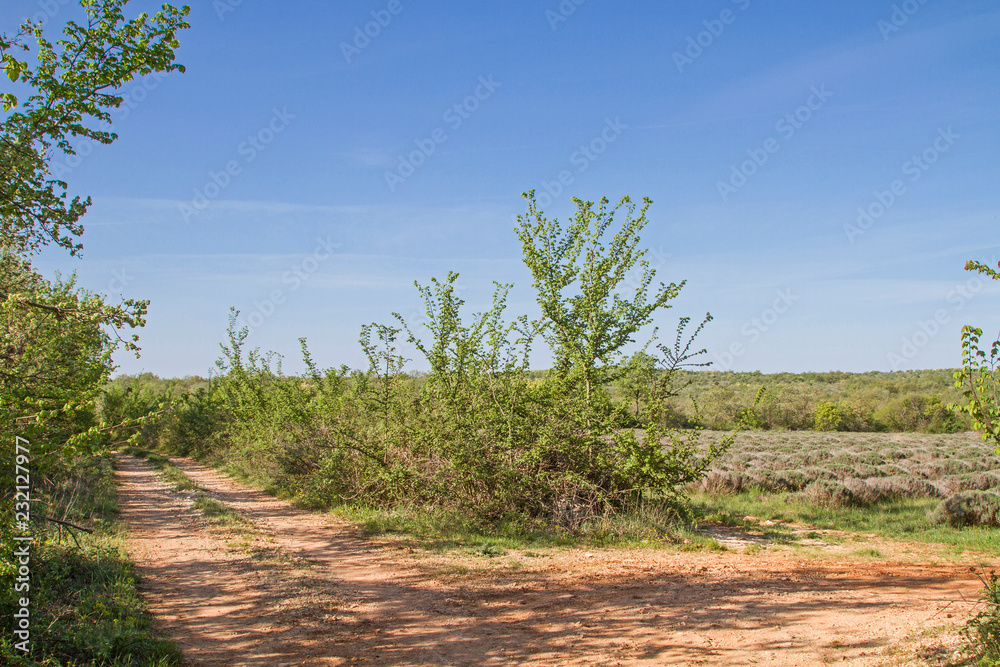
x: 57, y: 341
x: 578, y: 274
x: 979, y: 377
x: 70, y: 91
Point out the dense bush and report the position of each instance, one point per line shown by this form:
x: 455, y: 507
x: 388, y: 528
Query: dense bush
x: 969, y: 508
x: 827, y: 493
x: 479, y: 435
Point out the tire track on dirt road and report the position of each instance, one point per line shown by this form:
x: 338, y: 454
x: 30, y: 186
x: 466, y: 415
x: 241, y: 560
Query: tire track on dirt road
x: 360, y: 603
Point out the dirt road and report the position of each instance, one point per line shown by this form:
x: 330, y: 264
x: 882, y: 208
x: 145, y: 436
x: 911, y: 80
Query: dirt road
x: 303, y: 589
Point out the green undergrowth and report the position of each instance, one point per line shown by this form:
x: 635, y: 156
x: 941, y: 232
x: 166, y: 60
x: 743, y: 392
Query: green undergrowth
x: 983, y: 631
x: 438, y: 529
x: 218, y: 512
x: 167, y: 470
x: 903, y: 519
x: 85, y: 606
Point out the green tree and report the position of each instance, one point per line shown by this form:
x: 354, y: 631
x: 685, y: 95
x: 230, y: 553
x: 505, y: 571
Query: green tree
x: 58, y: 340
x: 588, y: 318
x: 577, y: 274
x: 979, y: 377
x: 71, y: 90
x: 827, y: 417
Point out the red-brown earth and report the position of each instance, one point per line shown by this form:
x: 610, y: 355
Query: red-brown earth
x: 291, y: 587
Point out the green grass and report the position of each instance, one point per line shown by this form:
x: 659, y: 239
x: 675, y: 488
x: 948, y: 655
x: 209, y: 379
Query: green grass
x: 870, y: 552
x: 86, y: 609
x: 697, y: 542
x: 903, y: 519
x: 439, y: 531
x: 218, y: 512
x: 168, y: 470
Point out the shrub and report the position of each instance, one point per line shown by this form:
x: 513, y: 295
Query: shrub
x: 983, y: 631
x: 827, y: 417
x: 721, y: 481
x: 862, y: 493
x: 976, y: 481
x: 479, y: 435
x: 826, y: 493
x: 969, y: 508
x: 900, y: 486
x: 191, y: 427
x: 793, y: 480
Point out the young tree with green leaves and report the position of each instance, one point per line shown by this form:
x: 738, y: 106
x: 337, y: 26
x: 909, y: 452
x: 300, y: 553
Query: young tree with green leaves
x: 589, y: 318
x: 61, y: 98
x: 578, y: 275
x: 980, y: 373
x: 70, y: 91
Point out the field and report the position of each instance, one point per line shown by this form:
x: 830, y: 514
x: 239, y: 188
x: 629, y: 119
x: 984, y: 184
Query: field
x: 934, y: 488
x: 856, y: 467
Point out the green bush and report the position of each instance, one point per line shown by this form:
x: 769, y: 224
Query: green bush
x: 480, y: 435
x: 969, y: 508
x: 983, y: 631
x: 191, y: 426
x: 826, y: 493
x: 827, y: 417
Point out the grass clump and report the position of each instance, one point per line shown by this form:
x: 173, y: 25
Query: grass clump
x: 218, y: 512
x: 870, y: 552
x: 969, y: 508
x: 167, y: 470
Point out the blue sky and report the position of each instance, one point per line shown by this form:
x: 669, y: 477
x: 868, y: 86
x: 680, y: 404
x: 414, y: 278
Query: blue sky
x: 309, y: 173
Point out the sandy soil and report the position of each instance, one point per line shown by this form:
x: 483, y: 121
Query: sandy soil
x: 303, y: 589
